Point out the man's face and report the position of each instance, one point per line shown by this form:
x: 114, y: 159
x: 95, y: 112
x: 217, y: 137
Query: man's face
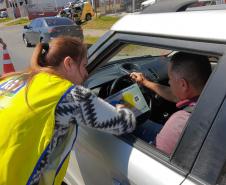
x: 76, y: 72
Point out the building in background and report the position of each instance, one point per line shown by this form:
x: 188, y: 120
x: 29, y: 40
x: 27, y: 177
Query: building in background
x: 117, y: 6
x: 40, y: 8
x: 33, y: 8
x: 2, y: 5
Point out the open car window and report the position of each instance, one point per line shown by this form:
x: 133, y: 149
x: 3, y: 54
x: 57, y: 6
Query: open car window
x: 153, y: 62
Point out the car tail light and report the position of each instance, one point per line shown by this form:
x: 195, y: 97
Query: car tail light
x: 51, y: 30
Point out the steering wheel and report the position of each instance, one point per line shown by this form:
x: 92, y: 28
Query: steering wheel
x: 120, y: 83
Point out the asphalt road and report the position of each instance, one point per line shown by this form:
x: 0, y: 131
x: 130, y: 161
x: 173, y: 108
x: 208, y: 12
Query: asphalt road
x: 20, y: 55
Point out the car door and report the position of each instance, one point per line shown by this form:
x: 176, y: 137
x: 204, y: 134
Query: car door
x: 209, y: 167
x: 107, y: 159
x: 125, y: 160
x: 29, y: 32
x: 37, y: 30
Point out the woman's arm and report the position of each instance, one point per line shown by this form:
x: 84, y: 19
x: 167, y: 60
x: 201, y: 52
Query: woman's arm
x: 85, y: 108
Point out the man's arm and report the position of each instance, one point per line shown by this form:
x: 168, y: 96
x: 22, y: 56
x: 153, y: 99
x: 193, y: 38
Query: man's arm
x: 161, y: 90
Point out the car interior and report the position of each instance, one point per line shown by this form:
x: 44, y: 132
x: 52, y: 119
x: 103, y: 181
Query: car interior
x: 113, y: 77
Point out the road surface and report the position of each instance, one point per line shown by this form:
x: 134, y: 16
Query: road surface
x: 20, y: 55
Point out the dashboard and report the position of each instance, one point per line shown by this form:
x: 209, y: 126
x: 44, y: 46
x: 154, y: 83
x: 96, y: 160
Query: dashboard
x: 114, y: 76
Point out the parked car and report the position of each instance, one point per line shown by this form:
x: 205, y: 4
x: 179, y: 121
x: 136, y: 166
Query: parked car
x: 145, y: 43
x: 69, y: 4
x: 3, y: 14
x: 147, y: 3
x: 78, y: 12
x: 45, y: 28
x: 84, y: 12
x: 162, y: 6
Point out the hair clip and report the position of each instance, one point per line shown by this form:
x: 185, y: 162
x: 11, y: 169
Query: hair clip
x: 45, y: 47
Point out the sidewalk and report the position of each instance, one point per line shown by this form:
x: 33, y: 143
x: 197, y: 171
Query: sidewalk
x: 94, y: 32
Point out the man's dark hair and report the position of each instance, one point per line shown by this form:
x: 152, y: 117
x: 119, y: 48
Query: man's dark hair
x: 194, y: 68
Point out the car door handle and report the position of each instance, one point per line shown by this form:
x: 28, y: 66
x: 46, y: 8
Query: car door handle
x: 116, y: 182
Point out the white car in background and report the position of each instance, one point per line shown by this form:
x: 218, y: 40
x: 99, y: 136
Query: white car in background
x: 147, y: 3
x: 162, y: 6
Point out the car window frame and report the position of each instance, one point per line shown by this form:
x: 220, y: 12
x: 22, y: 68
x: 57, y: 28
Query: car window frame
x: 109, y: 44
x: 209, y: 164
x: 62, y: 19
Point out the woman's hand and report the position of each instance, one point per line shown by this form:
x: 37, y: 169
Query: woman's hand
x: 120, y: 106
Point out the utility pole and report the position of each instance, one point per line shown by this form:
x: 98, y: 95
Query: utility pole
x: 133, y: 6
x: 95, y: 7
x: 56, y: 5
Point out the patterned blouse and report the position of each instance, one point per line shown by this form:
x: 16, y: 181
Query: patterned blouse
x: 81, y: 107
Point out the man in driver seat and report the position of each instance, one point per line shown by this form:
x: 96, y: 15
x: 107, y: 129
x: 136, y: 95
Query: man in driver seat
x: 188, y: 74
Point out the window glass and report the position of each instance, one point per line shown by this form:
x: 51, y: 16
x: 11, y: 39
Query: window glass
x: 162, y: 124
x: 58, y: 22
x: 38, y: 24
x: 222, y: 178
x: 33, y: 23
x: 131, y: 51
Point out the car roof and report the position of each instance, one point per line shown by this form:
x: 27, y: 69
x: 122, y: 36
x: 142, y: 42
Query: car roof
x: 208, y: 7
x: 51, y: 17
x: 200, y: 25
x: 168, y: 6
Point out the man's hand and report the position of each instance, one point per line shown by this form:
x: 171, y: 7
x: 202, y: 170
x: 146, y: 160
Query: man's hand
x: 3, y: 44
x: 138, y: 77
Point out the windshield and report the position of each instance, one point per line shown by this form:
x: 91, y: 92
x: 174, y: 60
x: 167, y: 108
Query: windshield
x: 132, y: 50
x: 58, y: 22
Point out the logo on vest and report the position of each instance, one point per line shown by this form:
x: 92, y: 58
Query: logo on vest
x: 11, y: 87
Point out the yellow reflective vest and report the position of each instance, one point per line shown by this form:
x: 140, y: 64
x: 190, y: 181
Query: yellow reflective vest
x: 27, y: 127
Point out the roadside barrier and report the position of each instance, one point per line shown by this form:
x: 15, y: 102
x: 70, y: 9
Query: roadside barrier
x: 7, y: 64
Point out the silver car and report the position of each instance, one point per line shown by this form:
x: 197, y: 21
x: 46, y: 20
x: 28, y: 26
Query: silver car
x: 145, y: 43
x: 45, y: 28
x: 3, y: 14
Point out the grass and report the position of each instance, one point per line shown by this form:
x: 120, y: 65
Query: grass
x: 90, y: 39
x: 21, y: 21
x: 3, y: 20
x: 100, y: 22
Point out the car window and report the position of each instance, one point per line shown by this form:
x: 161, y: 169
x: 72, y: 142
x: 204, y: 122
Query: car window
x: 58, y: 22
x: 153, y: 62
x: 132, y: 50
x: 38, y: 24
x: 33, y: 23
